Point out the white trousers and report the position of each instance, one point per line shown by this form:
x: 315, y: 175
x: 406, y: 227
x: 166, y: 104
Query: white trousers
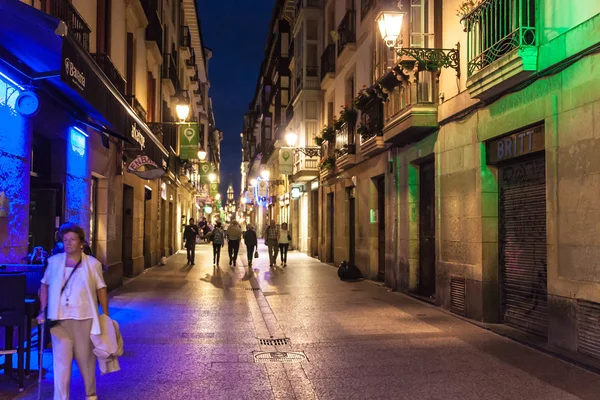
x: 71, y: 338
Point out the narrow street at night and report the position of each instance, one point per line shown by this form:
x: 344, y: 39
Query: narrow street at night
x: 190, y: 333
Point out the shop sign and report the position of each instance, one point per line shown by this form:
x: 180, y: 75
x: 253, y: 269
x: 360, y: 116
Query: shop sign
x: 145, y: 168
x: 262, y: 188
x: 516, y: 145
x: 296, y: 193
x: 138, y: 136
x: 373, y: 216
x: 205, y: 169
x: 214, y: 189
x: 286, y: 162
x: 188, y: 141
x: 163, y: 191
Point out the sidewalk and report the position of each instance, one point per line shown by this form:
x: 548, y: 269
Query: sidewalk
x: 190, y: 333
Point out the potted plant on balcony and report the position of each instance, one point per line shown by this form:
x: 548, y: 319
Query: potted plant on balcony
x: 362, y: 129
x: 349, y: 115
x: 328, y: 132
x: 327, y: 162
x: 465, y: 8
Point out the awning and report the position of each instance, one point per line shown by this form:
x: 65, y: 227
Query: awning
x: 36, y: 46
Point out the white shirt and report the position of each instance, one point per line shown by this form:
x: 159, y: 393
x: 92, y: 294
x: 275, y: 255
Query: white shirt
x: 74, y: 303
x: 283, y: 237
x: 91, y: 280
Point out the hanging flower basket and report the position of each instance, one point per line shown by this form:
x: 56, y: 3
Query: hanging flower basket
x: 327, y: 162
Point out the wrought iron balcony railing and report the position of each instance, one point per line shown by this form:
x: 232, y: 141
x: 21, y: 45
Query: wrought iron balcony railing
x: 347, y: 30
x: 154, y: 30
x: 371, y: 120
x: 344, y: 140
x: 312, y: 70
x: 307, y: 3
x: 328, y: 60
x: 289, y: 113
x: 111, y: 72
x: 365, y: 7
x: 186, y: 38
x: 191, y: 62
x: 495, y: 28
x: 169, y: 70
x: 65, y: 11
x: 137, y: 107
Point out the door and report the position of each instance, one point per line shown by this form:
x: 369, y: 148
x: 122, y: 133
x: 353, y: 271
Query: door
x: 427, y: 229
x: 522, y: 236
x: 352, y: 226
x: 163, y: 227
x: 314, y: 215
x: 381, y: 228
x: 171, y: 222
x: 330, y: 209
x: 45, y: 212
x: 127, y: 233
x: 147, y: 228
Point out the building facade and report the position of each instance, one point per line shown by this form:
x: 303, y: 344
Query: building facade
x: 89, y: 126
x: 456, y: 160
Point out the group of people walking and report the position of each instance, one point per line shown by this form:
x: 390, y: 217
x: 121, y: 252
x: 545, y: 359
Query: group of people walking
x: 277, y: 239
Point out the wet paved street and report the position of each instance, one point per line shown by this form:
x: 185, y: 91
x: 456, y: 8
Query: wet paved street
x: 190, y: 333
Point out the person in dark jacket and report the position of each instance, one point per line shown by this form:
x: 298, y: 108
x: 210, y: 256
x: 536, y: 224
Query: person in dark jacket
x: 251, y: 242
x: 189, y: 235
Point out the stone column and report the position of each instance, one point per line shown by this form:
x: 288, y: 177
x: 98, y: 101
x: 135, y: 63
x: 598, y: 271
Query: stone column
x: 77, y: 180
x: 16, y: 134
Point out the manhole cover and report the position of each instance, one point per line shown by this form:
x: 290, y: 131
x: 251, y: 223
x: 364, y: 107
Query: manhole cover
x: 199, y: 335
x: 278, y: 356
x: 252, y: 288
x: 274, y: 342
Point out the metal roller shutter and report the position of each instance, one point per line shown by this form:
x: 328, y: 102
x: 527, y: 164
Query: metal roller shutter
x: 522, y: 235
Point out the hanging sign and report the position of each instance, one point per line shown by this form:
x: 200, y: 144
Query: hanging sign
x: 163, y: 191
x: 262, y: 188
x: 145, y: 168
x: 188, y: 141
x: 286, y: 162
x: 296, y: 193
x: 214, y: 189
x: 205, y: 169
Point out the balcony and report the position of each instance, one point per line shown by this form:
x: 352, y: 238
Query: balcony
x: 365, y: 7
x: 169, y: 73
x: 371, y: 128
x: 411, y: 112
x: 300, y: 4
x: 186, y: 38
x: 137, y: 107
x: 65, y: 11
x: 195, y: 78
x: 154, y: 30
x: 305, y: 168
x: 328, y: 65
x: 500, y: 54
x: 327, y: 152
x: 289, y: 113
x: 347, y: 37
x: 345, y: 146
x: 111, y: 72
x: 191, y: 62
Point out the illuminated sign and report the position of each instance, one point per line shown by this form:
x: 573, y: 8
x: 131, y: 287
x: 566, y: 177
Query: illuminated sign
x: 296, y: 193
x: 208, y: 209
x: 77, y: 141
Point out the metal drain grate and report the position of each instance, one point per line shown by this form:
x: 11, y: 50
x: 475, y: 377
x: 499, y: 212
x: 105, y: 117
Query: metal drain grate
x: 274, y: 342
x: 284, y: 357
x: 253, y: 288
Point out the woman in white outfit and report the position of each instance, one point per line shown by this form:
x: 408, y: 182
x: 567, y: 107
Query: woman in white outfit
x: 72, y: 287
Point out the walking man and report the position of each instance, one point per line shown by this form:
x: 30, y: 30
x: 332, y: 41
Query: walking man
x: 272, y: 242
x: 189, y: 234
x: 234, y: 234
x: 251, y: 242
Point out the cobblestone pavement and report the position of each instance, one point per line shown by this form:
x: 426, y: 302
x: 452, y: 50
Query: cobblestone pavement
x: 190, y: 333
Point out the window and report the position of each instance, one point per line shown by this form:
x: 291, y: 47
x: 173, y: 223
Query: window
x: 350, y: 90
x: 330, y: 113
x: 312, y: 63
x: 421, y: 23
x: 312, y: 30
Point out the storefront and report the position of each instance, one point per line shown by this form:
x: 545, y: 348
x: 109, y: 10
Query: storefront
x: 522, y: 228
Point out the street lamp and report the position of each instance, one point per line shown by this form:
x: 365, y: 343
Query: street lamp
x: 253, y: 182
x: 212, y: 177
x: 182, y: 108
x: 390, y: 20
x: 291, y: 138
x: 218, y: 196
x: 265, y: 174
x: 201, y: 154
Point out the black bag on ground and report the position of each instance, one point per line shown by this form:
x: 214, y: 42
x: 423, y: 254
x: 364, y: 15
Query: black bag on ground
x: 348, y: 272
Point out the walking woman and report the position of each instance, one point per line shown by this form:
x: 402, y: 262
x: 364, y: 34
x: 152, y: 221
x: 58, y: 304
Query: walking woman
x: 72, y: 287
x: 217, y: 236
x: 251, y: 242
x: 284, y: 243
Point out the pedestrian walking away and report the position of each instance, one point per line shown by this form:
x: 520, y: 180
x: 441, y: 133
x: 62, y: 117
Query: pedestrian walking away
x: 272, y: 242
x: 251, y: 243
x: 284, y: 243
x: 71, y: 289
x: 217, y: 237
x: 190, y: 234
x: 234, y: 234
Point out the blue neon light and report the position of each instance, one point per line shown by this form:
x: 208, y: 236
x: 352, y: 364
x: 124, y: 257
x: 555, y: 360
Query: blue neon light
x: 12, y: 82
x: 78, y: 129
x: 77, y: 183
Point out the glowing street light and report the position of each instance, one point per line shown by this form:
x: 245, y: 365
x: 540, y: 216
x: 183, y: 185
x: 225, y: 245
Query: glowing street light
x: 390, y: 25
x: 201, y: 155
x: 265, y: 174
x: 291, y: 139
x: 253, y: 182
x: 212, y: 177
